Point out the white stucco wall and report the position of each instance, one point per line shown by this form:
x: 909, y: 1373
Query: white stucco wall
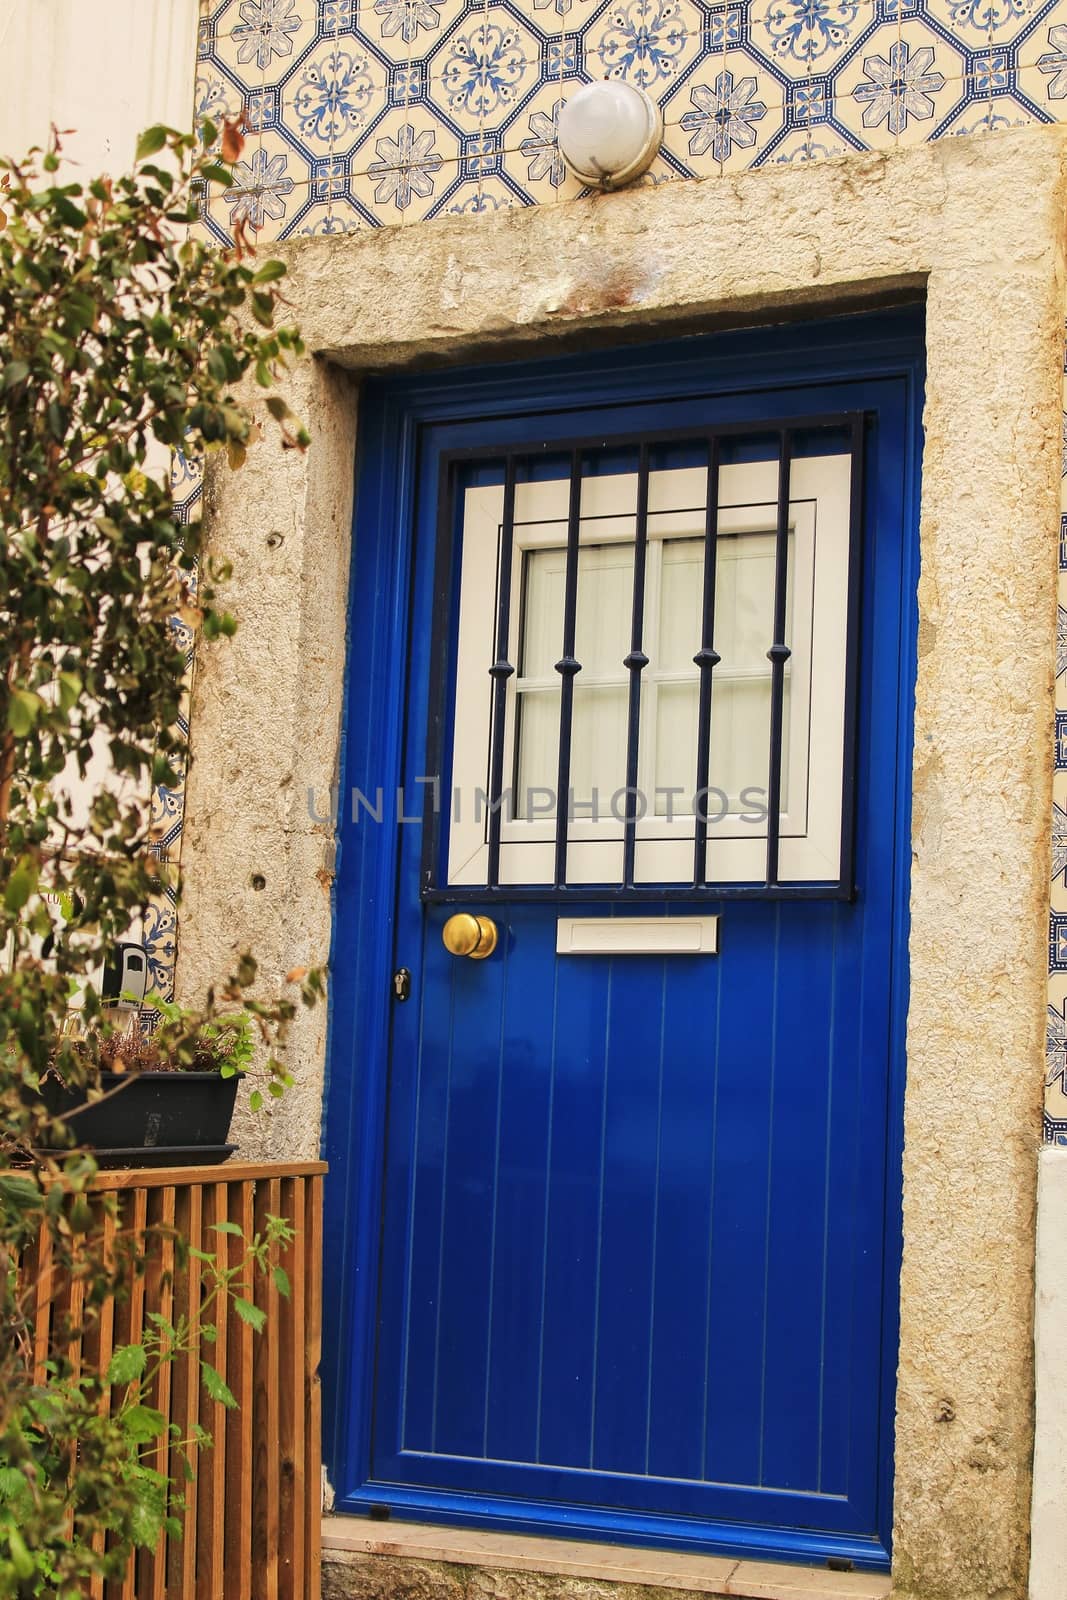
x: 105, y: 70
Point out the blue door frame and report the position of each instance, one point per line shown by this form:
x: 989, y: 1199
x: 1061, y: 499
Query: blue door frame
x: 873, y: 364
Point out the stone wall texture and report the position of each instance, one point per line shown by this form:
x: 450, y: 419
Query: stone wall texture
x: 975, y: 226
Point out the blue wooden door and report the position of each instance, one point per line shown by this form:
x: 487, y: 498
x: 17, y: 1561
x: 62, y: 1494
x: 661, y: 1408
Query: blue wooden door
x: 613, y: 1241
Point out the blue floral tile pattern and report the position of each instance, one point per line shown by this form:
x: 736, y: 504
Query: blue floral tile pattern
x: 266, y: 30
x: 541, y: 149
x: 406, y: 17
x: 1053, y: 62
x: 724, y: 116
x: 260, y: 189
x: 159, y: 928
x: 811, y: 32
x: 898, y: 88
x: 405, y: 167
x: 485, y: 69
x: 480, y: 84
x: 643, y: 41
x: 334, y: 96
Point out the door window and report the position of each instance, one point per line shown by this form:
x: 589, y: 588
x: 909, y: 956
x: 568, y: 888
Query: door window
x: 650, y: 689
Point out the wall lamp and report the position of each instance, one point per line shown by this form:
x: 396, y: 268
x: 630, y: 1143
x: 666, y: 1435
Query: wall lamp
x: 609, y: 133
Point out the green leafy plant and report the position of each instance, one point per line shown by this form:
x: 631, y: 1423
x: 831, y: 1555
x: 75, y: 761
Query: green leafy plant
x: 123, y: 339
x: 104, y: 1497
x: 225, y: 1043
x: 184, y: 1041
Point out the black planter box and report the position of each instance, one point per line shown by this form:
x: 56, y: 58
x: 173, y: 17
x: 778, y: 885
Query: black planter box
x: 148, y: 1116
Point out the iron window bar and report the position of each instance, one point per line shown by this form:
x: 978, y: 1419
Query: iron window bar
x: 635, y: 662
x: 706, y: 659
x: 778, y: 654
x: 568, y: 668
x: 501, y: 669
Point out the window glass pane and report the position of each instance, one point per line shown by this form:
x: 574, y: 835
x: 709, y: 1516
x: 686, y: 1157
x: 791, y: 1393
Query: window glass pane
x: 744, y: 599
x: 605, y: 603
x: 741, y: 683
x: 598, y: 747
x: 740, y: 721
x: 602, y: 614
x: 740, y: 740
x: 538, y: 739
x: 602, y: 633
x: 544, y: 579
x: 681, y: 608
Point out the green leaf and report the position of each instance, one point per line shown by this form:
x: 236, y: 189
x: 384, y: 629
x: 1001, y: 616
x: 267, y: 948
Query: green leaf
x: 141, y: 1423
x: 151, y: 140
x: 255, y: 1100
x: 21, y: 1559
x: 270, y: 272
x: 18, y: 1194
x: 15, y: 372
x: 227, y: 1227
x: 253, y: 1315
x: 126, y: 1364
x: 150, y: 1506
x: 70, y: 688
x: 23, y: 710
x: 216, y: 1388
x: 69, y: 213
x: 12, y: 1482
x: 21, y: 884
x: 281, y: 1282
x: 214, y: 172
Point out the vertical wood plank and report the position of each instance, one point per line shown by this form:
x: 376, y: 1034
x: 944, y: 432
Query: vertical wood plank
x: 251, y: 1517
x: 120, y: 1324
x: 313, y: 1388
x: 137, y: 1222
x: 211, y: 1505
x: 102, y: 1343
x: 42, y: 1306
x: 207, y: 1458
x: 92, y: 1314
x: 239, y: 1509
x: 290, y: 1334
x: 265, y: 1373
x: 159, y: 1301
x: 74, y: 1311
x: 185, y: 1395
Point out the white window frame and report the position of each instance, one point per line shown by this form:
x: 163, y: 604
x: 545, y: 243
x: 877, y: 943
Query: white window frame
x: 811, y: 815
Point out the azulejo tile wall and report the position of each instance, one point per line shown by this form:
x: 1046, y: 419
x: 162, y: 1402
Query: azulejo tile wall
x: 159, y: 932
x: 368, y: 112
x: 364, y: 113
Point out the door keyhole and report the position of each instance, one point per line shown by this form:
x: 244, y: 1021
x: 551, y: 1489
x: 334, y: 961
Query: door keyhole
x: 402, y: 984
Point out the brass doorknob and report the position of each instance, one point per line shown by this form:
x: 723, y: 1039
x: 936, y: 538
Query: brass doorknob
x: 468, y: 935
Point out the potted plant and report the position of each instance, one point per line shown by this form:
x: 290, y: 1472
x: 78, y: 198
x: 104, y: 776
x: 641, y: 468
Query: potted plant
x: 165, y: 1096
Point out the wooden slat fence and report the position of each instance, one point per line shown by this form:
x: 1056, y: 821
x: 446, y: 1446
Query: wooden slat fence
x: 251, y: 1519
